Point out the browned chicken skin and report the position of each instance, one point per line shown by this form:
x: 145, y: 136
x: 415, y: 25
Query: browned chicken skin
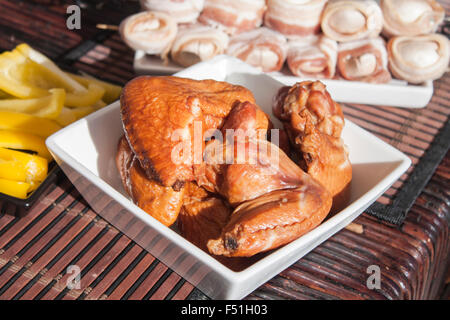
x: 256, y: 167
x: 162, y: 203
x: 274, y: 200
x: 278, y: 201
x: 272, y: 220
x: 258, y: 173
x: 314, y: 124
x: 159, y: 112
x: 202, y: 217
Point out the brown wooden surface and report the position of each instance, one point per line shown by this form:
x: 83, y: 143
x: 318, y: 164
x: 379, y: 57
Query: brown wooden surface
x: 62, y: 230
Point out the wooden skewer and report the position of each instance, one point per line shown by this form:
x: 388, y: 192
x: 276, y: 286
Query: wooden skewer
x: 107, y: 27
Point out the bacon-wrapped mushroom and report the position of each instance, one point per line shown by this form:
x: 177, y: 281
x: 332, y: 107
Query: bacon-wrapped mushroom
x: 183, y: 11
x: 420, y: 58
x: 349, y: 20
x: 294, y: 17
x: 151, y: 32
x: 195, y: 43
x: 411, y: 17
x: 233, y: 16
x: 262, y: 48
x: 364, y: 60
x: 313, y: 57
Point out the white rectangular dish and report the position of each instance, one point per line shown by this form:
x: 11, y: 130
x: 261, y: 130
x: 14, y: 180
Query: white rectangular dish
x: 396, y: 93
x: 86, y: 151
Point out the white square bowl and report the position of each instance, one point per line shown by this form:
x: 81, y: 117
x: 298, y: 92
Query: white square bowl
x: 86, y: 151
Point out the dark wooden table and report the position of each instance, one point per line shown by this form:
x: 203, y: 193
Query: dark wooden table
x: 62, y: 230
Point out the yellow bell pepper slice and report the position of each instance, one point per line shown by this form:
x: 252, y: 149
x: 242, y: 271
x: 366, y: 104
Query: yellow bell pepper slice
x: 33, y: 186
x: 15, y: 74
x: 4, y: 95
x: 26, y: 123
x: 24, y: 141
x: 45, y: 107
x: 16, y: 171
x: 112, y: 91
x: 69, y: 115
x: 66, y: 117
x: 99, y: 104
x: 21, y: 166
x: 15, y: 188
x: 26, y: 73
x: 51, y: 68
x: 54, y: 107
x: 83, y: 112
x: 95, y: 93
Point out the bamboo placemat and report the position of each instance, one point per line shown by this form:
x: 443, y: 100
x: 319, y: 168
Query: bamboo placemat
x: 35, y: 251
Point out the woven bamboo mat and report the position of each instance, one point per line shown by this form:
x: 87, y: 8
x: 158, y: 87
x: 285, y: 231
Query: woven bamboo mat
x: 35, y: 251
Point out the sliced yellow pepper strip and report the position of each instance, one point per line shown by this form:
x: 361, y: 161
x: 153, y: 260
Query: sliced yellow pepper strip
x: 4, y: 95
x: 83, y: 112
x: 24, y: 141
x: 95, y: 93
x: 68, y: 83
x: 99, y: 104
x: 53, y: 109
x: 27, y: 123
x: 45, y: 107
x: 14, y: 188
x: 69, y: 115
x: 15, y: 74
x: 66, y: 117
x: 33, y: 186
x: 21, y: 166
x: 112, y: 91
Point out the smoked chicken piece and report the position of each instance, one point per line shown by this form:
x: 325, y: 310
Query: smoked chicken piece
x: 245, y: 165
x: 124, y: 160
x: 246, y: 120
x: 202, y: 218
x: 314, y: 123
x: 162, y: 203
x: 248, y: 169
x: 249, y: 118
x: 160, y: 114
x: 272, y: 220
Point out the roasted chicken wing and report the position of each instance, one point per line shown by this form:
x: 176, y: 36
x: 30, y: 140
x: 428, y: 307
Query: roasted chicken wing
x: 258, y: 167
x: 159, y: 115
x: 272, y: 220
x: 162, y: 203
x: 245, y: 165
x: 314, y: 124
x: 202, y: 218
